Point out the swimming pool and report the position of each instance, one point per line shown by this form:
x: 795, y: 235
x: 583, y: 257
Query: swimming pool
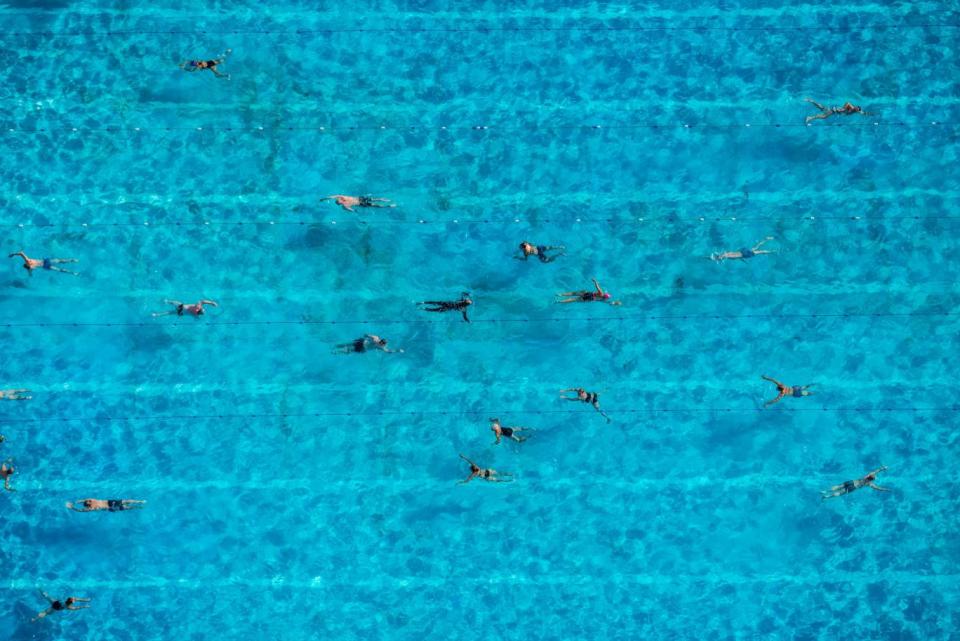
x: 295, y: 494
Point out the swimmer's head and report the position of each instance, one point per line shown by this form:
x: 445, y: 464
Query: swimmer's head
x: 606, y: 295
x: 88, y: 503
x: 27, y: 267
x: 200, y: 310
x: 525, y: 245
x: 870, y: 477
x: 70, y: 600
x: 2, y: 438
x: 382, y: 342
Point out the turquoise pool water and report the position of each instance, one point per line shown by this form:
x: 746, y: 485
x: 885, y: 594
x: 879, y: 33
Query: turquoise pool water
x: 296, y: 494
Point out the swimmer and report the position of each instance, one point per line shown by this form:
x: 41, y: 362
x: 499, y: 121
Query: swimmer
x: 744, y: 253
x: 349, y: 202
x: 56, y: 605
x: 487, y: 474
x: 540, y: 251
x: 14, y: 395
x: 450, y: 306
x: 111, y: 505
x: 584, y: 296
x: 200, y: 65
x: 585, y: 397
x: 6, y: 471
x: 850, y: 486
x: 360, y: 345
x: 847, y: 109
x: 50, y: 264
x: 507, y: 432
x: 797, y: 391
x: 196, y: 310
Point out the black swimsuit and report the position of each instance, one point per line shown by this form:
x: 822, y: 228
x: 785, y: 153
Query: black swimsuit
x: 114, y: 505
x: 359, y: 345
x: 506, y: 432
x: 365, y: 201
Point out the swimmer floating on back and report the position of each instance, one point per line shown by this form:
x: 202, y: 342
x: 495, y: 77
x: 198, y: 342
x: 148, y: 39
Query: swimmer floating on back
x: 14, y: 394
x: 588, y: 296
x: 56, y: 605
x: 110, y: 505
x: 585, y: 397
x: 743, y: 254
x: 50, y: 264
x: 487, y: 474
x: 196, y: 310
x: 540, y: 251
x: 200, y: 65
x: 360, y: 345
x: 349, y: 202
x: 450, y: 305
x: 502, y: 431
x: 847, y: 109
x: 797, y: 391
x: 850, y: 486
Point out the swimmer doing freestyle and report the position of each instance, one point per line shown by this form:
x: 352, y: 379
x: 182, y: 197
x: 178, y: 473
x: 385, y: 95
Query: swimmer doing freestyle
x: 460, y: 305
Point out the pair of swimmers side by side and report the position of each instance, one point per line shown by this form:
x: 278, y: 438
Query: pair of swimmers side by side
x: 365, y: 344
x: 56, y: 605
x: 49, y: 264
x: 207, y: 65
x: 743, y: 253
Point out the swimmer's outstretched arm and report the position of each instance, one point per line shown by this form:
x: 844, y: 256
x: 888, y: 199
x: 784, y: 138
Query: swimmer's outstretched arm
x: 597, y: 285
x: 45, y: 595
x: 772, y: 380
x: 464, y: 312
x: 877, y: 487
x: 71, y: 506
x: 78, y: 607
x: 760, y: 244
x: 21, y: 254
x: 816, y: 104
x: 208, y: 302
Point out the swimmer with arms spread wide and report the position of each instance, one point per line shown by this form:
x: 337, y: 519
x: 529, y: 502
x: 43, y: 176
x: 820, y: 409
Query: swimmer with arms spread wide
x: 591, y: 398
x: 196, y: 310
x: 848, y: 109
x: 361, y: 345
x: 49, y: 264
x: 111, y: 505
x: 487, y: 474
x: 349, y: 202
x: 588, y: 296
x: 743, y: 254
x: 796, y: 391
x: 850, y: 486
x: 56, y: 605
